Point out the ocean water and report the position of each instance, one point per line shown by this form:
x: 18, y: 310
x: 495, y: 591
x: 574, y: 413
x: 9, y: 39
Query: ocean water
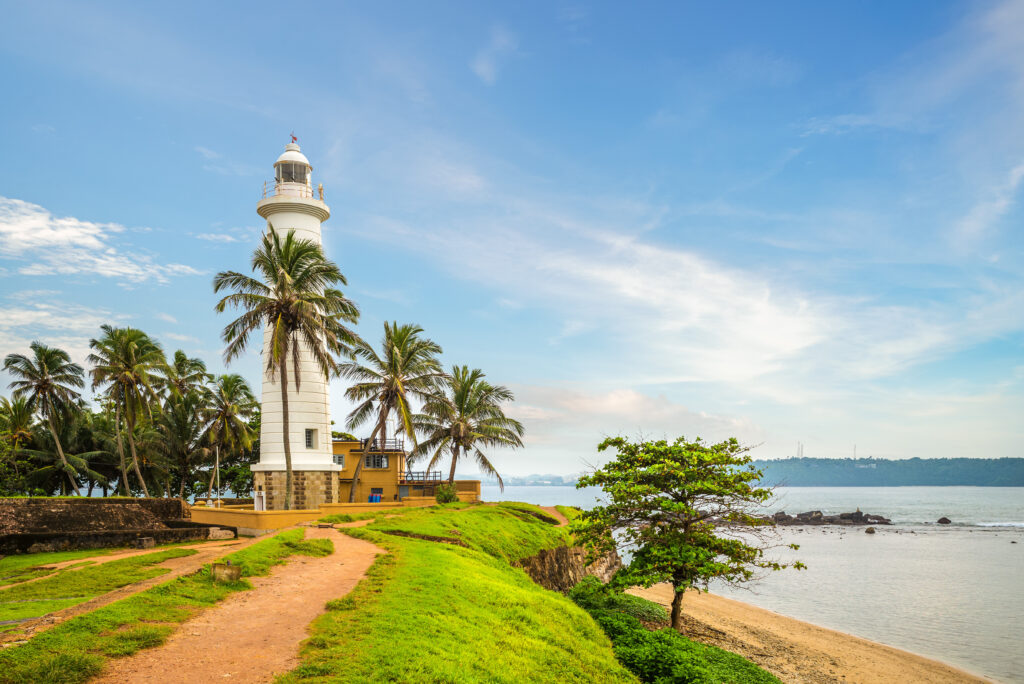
x: 953, y: 593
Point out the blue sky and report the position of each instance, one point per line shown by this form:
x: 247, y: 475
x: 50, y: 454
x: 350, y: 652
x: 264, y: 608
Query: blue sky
x: 796, y: 222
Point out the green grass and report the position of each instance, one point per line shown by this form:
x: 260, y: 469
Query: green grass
x: 76, y: 650
x: 73, y: 585
x: 21, y: 567
x: 366, y: 515
x: 433, y: 612
x: 508, y: 531
x: 570, y: 512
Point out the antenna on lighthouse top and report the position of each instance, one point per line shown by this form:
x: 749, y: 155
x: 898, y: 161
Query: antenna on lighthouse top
x: 294, y: 139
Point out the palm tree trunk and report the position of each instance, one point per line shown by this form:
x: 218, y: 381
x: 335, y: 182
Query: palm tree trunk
x: 377, y: 429
x: 181, y: 486
x: 213, y: 476
x: 286, y: 425
x: 120, y: 448
x: 135, y: 458
x: 60, y: 452
x: 455, y: 459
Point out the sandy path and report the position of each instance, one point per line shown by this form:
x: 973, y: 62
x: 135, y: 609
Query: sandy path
x: 252, y: 636
x: 554, y: 513
x: 799, y: 652
x: 184, y: 565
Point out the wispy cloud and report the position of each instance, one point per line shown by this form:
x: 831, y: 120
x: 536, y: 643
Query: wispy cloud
x: 166, y: 317
x: 68, y: 326
x: 980, y: 220
x: 178, y: 337
x: 492, y: 56
x: 217, y: 163
x: 66, y: 245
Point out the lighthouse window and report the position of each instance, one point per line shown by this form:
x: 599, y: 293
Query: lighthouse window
x: 291, y: 173
x: 310, y: 439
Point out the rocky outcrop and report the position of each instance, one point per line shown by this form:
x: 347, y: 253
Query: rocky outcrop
x: 944, y: 521
x: 817, y: 518
x: 560, y: 568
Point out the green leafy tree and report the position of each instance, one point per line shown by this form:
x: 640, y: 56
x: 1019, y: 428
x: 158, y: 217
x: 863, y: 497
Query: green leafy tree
x: 297, y: 299
x: 128, y: 363
x: 407, y: 368
x: 465, y: 418
x: 687, y: 510
x: 50, y: 382
x: 184, y: 374
x: 77, y: 449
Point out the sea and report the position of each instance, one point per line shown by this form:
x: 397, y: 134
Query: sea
x: 953, y: 593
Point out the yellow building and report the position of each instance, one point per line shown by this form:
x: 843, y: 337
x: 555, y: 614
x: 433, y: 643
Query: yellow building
x: 385, y: 474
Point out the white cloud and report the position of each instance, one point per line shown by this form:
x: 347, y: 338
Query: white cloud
x: 177, y: 337
x: 217, y: 237
x: 56, y: 324
x: 66, y: 245
x: 166, y: 317
x: 488, y: 60
x: 983, y: 215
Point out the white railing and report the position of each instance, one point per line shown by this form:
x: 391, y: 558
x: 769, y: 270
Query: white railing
x: 275, y: 188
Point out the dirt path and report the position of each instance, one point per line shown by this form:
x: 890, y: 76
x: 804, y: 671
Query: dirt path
x: 252, y: 636
x: 554, y: 513
x: 185, y: 565
x: 798, y: 652
x: 93, y: 561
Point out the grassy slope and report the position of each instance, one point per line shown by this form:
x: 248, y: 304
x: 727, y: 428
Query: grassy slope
x: 21, y: 567
x: 76, y: 650
x: 71, y: 586
x: 434, y: 612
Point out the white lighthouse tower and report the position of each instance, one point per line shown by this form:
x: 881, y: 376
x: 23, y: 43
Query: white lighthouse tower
x: 292, y: 204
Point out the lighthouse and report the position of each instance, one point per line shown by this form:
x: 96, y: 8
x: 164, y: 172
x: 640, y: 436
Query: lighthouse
x: 290, y: 203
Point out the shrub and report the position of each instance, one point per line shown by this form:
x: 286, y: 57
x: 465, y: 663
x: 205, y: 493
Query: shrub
x: 446, y: 493
x: 662, y: 656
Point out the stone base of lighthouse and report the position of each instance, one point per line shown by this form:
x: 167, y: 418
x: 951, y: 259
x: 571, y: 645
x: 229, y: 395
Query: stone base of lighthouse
x: 310, y: 488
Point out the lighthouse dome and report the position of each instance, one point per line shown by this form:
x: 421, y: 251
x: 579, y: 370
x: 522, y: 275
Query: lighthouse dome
x: 292, y: 153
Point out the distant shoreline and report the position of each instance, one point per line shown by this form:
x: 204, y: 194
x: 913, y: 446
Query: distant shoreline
x: 798, y: 651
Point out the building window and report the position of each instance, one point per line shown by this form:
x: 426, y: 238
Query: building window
x: 379, y: 461
x: 379, y: 491
x: 340, y: 459
x: 310, y: 439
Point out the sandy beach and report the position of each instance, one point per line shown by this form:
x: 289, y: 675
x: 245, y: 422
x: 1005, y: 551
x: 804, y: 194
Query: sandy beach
x: 799, y: 652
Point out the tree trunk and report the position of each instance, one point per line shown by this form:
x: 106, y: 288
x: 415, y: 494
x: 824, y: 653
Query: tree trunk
x: 213, y: 476
x: 92, y: 483
x: 677, y: 609
x: 377, y: 429
x: 60, y: 452
x: 120, y: 448
x: 135, y: 458
x: 455, y: 459
x: 286, y: 426
x: 181, y: 487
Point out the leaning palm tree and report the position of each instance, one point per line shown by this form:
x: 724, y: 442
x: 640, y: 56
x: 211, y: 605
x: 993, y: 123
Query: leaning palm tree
x: 295, y: 297
x: 127, y: 361
x: 76, y: 450
x: 465, y: 418
x: 407, y: 368
x: 229, y: 407
x: 16, y: 424
x: 49, y: 380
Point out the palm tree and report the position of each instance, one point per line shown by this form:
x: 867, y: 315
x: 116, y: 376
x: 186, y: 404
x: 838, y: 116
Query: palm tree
x: 48, y: 379
x: 231, y: 405
x: 184, y: 374
x: 16, y: 423
x: 180, y: 427
x: 295, y: 298
x: 127, y: 360
x: 406, y: 368
x: 464, y: 419
x: 75, y: 448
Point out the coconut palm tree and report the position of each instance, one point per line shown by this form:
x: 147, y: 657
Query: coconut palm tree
x: 49, y: 380
x: 184, y: 374
x: 16, y: 424
x: 230, y: 406
x: 467, y: 417
x: 79, y: 451
x: 128, y: 362
x: 407, y: 368
x: 181, y: 426
x: 295, y: 297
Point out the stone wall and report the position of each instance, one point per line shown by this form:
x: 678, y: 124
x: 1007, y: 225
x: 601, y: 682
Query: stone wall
x: 42, y: 514
x: 560, y: 568
x: 180, y: 531
x: 311, y: 488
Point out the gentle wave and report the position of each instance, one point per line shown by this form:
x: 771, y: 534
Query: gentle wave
x: 1001, y: 524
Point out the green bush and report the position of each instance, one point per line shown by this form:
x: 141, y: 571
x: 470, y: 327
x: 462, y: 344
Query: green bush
x: 446, y: 493
x: 661, y: 656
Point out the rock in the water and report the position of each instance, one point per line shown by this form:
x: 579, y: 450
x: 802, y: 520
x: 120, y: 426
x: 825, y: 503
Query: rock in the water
x: 870, y: 530
x: 944, y: 520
